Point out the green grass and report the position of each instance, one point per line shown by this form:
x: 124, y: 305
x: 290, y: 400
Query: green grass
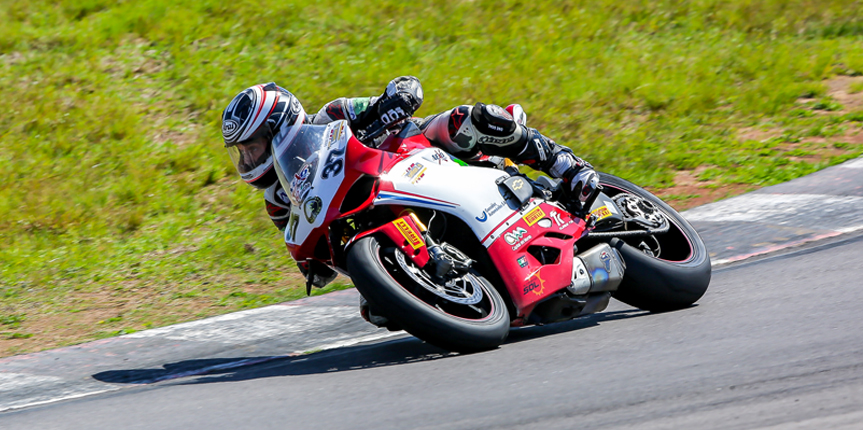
x: 119, y: 202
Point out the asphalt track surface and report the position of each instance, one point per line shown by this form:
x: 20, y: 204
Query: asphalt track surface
x: 775, y: 343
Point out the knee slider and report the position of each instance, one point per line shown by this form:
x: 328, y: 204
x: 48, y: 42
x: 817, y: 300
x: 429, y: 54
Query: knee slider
x: 494, y: 125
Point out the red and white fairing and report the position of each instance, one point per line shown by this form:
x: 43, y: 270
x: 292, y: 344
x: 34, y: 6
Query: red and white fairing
x: 313, y: 195
x: 412, y: 174
x: 429, y: 178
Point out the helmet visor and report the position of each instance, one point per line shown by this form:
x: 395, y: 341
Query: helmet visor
x: 253, y: 157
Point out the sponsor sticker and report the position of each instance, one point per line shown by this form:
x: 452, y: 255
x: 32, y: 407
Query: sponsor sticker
x: 408, y: 232
x: 517, y: 184
x: 561, y: 224
x: 311, y: 209
x: 600, y: 213
x: 514, y: 236
x: 535, y: 284
x: 419, y: 177
x: 440, y: 156
x: 230, y: 126
x: 335, y: 135
x: 489, y: 211
x: 533, y: 216
x: 522, y: 261
x: 517, y: 238
x: 555, y: 216
x: 415, y: 172
x: 300, y: 185
x: 300, y: 191
x: 303, y: 174
x: 496, y: 140
x: 493, y: 208
x: 606, y: 260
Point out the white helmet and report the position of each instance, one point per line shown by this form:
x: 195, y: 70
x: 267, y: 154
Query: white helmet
x: 250, y: 122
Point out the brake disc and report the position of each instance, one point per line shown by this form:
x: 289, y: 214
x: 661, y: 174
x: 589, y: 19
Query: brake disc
x: 464, y: 290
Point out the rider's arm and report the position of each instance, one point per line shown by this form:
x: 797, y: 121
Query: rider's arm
x: 355, y: 110
x: 278, y: 205
x: 401, y: 98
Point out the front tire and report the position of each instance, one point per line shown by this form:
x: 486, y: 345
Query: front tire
x: 383, y: 279
x: 674, y: 279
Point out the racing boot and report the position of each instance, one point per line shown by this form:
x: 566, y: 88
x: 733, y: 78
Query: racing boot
x: 500, y: 133
x: 378, y: 320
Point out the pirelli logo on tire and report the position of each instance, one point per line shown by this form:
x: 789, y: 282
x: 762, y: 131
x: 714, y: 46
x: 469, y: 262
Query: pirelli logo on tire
x: 409, y: 233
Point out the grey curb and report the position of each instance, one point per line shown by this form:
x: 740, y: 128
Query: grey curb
x: 823, y: 205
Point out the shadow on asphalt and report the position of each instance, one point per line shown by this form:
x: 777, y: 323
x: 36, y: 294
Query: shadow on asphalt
x: 388, y: 353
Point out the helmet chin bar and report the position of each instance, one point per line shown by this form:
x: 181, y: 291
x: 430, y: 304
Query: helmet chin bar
x: 259, y: 171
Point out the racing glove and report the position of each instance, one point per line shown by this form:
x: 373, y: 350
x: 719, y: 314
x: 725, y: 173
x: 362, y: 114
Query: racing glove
x: 402, y: 97
x: 579, y: 174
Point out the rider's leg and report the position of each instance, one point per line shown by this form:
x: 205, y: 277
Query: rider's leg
x: 465, y: 130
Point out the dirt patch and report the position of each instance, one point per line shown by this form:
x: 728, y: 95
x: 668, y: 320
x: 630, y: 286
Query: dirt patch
x: 752, y: 133
x: 839, y: 88
x: 688, y: 191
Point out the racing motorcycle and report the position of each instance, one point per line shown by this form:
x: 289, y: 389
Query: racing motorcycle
x: 456, y: 254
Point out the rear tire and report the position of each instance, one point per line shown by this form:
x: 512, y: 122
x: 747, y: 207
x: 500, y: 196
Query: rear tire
x: 655, y: 283
x: 453, y: 326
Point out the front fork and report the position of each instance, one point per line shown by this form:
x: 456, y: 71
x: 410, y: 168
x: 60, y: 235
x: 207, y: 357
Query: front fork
x: 410, y: 234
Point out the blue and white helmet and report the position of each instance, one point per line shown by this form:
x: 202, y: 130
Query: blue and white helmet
x: 250, y: 122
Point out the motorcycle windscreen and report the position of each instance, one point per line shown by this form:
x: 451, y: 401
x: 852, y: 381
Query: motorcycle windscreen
x: 296, y: 161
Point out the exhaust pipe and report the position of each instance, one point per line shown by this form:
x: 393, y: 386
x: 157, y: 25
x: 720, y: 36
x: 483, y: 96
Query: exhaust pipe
x: 598, y: 269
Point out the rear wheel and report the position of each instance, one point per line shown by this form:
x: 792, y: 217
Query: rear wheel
x: 464, y: 314
x: 664, y: 271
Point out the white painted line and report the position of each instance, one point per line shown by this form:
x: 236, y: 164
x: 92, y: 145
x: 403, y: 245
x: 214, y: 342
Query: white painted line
x: 856, y: 163
x: 55, y: 397
x: 20, y: 390
x: 850, y: 229
x: 253, y: 361
x: 256, y: 324
x: 361, y: 339
x: 774, y: 248
x: 834, y: 212
x: 847, y: 421
x: 15, y: 381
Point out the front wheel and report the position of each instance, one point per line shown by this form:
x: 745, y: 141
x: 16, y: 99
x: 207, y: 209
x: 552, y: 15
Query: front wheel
x: 665, y: 271
x: 465, y: 314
